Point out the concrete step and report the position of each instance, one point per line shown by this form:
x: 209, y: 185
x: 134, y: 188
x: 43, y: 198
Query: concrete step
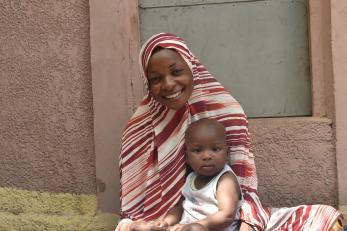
x: 52, y: 222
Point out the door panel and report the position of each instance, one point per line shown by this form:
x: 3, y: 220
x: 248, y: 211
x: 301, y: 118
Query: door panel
x: 257, y: 49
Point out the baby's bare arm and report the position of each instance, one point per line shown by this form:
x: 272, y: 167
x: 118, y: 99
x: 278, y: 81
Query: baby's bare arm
x: 228, y: 195
x: 173, y: 216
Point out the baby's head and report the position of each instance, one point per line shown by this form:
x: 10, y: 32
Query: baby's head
x: 206, y: 147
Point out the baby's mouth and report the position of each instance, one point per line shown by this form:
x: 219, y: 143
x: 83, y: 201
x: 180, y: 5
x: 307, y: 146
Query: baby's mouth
x: 173, y: 96
x: 207, y: 166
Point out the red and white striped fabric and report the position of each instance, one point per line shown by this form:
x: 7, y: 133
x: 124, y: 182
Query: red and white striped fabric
x: 152, y: 163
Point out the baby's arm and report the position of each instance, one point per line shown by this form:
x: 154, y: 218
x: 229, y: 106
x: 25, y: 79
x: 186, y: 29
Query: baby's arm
x: 228, y: 195
x: 173, y: 216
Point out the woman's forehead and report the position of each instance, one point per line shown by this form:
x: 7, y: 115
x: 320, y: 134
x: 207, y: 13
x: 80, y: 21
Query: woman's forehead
x: 165, y: 57
x: 164, y: 41
x: 154, y: 44
x: 159, y: 49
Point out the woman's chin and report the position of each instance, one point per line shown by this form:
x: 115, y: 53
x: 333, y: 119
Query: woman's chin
x: 176, y: 107
x: 175, y: 104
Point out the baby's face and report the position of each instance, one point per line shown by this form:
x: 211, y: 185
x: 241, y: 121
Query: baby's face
x: 207, y: 151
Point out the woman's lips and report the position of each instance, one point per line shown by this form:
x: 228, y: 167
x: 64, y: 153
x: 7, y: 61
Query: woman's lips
x: 174, y: 95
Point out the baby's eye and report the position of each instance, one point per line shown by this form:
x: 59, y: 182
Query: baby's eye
x: 216, y: 149
x: 196, y: 150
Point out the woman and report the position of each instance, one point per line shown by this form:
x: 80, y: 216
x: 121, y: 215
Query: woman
x: 152, y: 164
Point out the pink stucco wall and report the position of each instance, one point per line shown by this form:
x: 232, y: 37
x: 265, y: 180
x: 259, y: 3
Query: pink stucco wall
x: 46, y: 117
x: 295, y: 160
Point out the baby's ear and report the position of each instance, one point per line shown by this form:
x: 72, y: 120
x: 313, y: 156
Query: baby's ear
x: 188, y: 169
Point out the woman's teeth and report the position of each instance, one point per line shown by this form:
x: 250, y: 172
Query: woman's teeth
x: 173, y: 95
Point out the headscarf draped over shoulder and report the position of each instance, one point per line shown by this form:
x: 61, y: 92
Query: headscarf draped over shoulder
x: 152, y: 163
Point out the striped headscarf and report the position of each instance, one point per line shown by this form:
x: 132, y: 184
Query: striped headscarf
x: 152, y: 162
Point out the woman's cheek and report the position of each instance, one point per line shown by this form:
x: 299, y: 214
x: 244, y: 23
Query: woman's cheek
x: 153, y: 91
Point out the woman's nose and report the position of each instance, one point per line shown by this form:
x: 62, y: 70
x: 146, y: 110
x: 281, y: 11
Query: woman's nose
x: 168, y: 83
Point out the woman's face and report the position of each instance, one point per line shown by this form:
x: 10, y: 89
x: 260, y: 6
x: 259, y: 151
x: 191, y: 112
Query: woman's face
x: 169, y: 77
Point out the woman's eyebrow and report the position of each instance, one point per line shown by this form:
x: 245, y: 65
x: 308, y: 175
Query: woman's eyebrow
x: 194, y: 143
x: 154, y: 71
x: 174, y: 64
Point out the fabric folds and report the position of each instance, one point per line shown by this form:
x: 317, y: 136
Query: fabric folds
x: 152, y: 162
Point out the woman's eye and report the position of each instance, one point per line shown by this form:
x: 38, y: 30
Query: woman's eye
x: 153, y: 80
x: 177, y: 72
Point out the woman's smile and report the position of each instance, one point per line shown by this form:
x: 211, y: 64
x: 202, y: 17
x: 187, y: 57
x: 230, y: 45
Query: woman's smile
x: 174, y: 95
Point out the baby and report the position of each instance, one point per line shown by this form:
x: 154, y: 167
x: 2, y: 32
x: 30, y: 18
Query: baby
x: 211, y: 194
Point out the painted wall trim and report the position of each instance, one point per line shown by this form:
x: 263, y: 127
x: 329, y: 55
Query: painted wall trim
x: 327, y: 27
x: 339, y: 56
x: 117, y: 87
x: 321, y: 58
x: 182, y: 3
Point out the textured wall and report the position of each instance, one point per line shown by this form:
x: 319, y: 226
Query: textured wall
x: 339, y: 38
x: 46, y: 119
x: 295, y: 161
